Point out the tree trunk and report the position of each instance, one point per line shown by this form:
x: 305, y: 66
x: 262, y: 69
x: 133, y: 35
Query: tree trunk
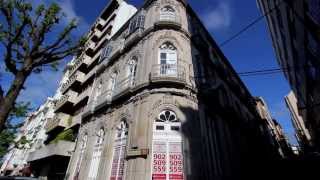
x: 8, y: 101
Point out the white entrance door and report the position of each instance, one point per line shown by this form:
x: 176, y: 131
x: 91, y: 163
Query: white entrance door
x: 167, y: 157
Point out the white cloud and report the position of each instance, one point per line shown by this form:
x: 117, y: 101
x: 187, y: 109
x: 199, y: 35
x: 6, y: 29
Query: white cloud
x: 218, y: 17
x: 69, y: 9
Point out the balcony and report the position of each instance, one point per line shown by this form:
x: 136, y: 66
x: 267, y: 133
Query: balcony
x: 170, y: 20
x: 76, y: 120
x: 89, y: 47
x: 81, y: 96
x: 59, y: 121
x: 168, y: 73
x: 134, y: 36
x: 100, y: 23
x: 96, y: 35
x: 74, y: 81
x: 123, y: 86
x: 80, y: 64
x: 61, y: 148
x: 66, y: 101
x: 103, y: 99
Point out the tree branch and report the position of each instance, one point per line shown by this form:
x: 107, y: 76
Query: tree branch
x: 53, y: 57
x: 66, y: 32
x: 1, y: 93
x: 8, y: 61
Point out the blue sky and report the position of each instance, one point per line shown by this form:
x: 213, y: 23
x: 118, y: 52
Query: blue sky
x: 223, y: 18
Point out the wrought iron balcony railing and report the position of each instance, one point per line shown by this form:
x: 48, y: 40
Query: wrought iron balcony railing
x: 133, y: 36
x: 168, y: 72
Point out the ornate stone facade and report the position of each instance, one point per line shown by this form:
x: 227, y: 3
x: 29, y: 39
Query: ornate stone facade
x: 168, y: 102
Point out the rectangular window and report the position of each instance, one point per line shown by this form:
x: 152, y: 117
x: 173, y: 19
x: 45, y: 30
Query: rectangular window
x: 163, y: 58
x: 160, y: 127
x: 175, y: 128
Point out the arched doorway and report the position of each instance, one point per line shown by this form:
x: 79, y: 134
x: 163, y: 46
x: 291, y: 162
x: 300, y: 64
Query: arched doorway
x: 167, y: 157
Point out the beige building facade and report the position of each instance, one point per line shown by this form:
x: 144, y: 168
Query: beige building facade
x: 51, y: 161
x: 164, y: 102
x: 302, y: 133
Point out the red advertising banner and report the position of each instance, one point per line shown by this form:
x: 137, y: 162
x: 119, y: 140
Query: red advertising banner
x: 176, y: 161
x: 163, y: 158
x: 118, y: 163
x: 159, y: 161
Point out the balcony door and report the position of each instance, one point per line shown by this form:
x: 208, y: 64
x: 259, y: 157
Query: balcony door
x: 168, y: 59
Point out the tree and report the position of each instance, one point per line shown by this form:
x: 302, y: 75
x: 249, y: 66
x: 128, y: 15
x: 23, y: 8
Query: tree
x: 8, y: 135
x: 30, y: 44
x: 7, y: 138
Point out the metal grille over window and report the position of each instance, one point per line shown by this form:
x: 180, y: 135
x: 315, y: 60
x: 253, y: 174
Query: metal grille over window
x: 106, y: 53
x: 167, y: 157
x: 97, y: 151
x: 136, y: 23
x: 83, y: 145
x: 119, y: 149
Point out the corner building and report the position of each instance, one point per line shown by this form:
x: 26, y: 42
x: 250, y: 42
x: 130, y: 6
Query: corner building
x: 166, y: 104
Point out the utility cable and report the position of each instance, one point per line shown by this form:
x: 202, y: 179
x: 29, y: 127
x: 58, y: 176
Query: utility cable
x: 255, y: 21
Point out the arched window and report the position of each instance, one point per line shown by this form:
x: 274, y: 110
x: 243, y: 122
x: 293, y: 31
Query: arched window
x: 168, y: 59
x: 131, y: 70
x: 97, y: 151
x: 83, y: 145
x: 167, y: 13
x: 167, y: 157
x: 119, y: 149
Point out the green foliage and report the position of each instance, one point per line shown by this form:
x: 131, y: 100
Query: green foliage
x: 8, y: 135
x: 67, y: 135
x: 6, y: 139
x: 32, y: 38
x: 20, y: 110
x: 22, y: 142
